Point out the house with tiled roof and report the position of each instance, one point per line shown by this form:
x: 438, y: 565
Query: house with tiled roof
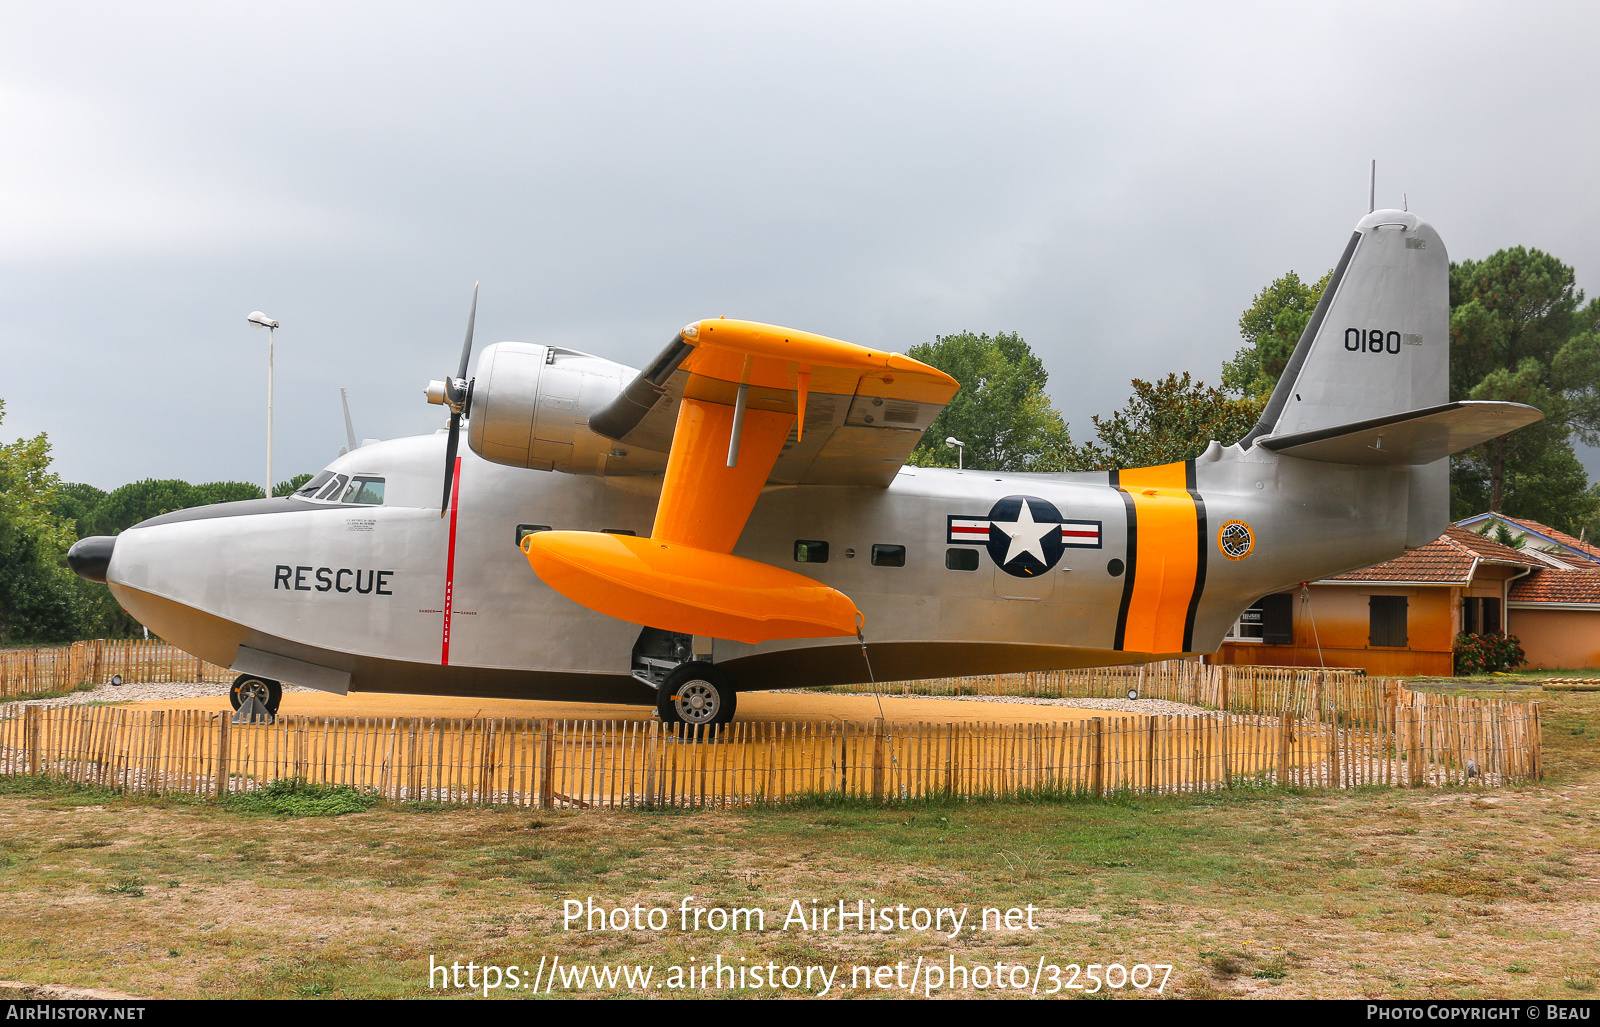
x: 1537, y: 538
x: 1395, y: 619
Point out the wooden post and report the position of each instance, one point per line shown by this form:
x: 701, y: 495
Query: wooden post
x: 1097, y: 774
x: 486, y: 765
x: 31, y: 731
x: 1149, y: 748
x: 877, y: 760
x: 1285, y: 733
x: 1537, y: 749
x: 224, y: 738
x: 547, y: 766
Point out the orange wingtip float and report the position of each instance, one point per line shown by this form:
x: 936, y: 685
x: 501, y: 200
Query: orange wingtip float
x: 679, y: 588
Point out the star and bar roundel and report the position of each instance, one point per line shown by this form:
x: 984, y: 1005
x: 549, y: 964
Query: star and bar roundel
x: 1025, y: 535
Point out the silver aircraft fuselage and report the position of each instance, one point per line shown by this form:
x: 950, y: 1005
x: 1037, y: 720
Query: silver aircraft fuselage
x: 362, y: 589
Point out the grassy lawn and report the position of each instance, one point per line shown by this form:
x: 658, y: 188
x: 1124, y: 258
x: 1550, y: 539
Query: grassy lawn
x: 1316, y: 894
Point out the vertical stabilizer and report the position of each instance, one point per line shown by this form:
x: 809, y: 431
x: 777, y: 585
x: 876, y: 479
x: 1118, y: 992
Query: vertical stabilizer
x: 1378, y: 342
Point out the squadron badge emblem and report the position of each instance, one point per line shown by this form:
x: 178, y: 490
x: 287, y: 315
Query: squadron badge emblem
x: 1236, y: 540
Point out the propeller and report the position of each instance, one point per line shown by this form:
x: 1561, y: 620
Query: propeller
x: 456, y: 393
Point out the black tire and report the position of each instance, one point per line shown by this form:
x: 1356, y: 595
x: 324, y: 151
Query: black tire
x: 269, y: 692
x: 696, y: 694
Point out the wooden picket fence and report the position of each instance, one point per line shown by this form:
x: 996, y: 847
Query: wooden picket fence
x: 64, y: 668
x: 1244, y: 689
x: 1424, y: 741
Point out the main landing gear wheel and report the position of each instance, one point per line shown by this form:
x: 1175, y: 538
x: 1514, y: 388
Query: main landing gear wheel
x: 246, y: 685
x: 696, y: 694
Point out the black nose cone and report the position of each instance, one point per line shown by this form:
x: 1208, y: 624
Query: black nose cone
x: 89, y: 557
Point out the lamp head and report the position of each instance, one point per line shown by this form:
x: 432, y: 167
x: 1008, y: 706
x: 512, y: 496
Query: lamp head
x: 261, y: 320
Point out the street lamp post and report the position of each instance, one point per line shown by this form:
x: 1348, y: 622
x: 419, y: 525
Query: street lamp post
x: 261, y: 320
x: 961, y: 451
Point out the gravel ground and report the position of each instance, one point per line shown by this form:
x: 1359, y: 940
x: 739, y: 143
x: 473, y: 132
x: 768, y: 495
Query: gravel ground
x: 1150, y: 707
x: 135, y: 693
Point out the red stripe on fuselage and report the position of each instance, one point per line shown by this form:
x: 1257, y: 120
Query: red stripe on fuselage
x: 450, y: 565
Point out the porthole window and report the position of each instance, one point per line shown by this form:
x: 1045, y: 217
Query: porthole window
x: 810, y: 551
x: 888, y: 556
x: 961, y: 559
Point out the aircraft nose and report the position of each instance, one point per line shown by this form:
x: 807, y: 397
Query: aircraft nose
x: 90, y: 556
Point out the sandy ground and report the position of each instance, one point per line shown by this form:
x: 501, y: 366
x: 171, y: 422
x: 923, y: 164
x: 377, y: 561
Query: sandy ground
x: 762, y: 706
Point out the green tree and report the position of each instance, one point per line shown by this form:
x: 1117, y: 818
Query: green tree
x: 38, y: 597
x: 226, y: 492
x: 1271, y: 328
x: 283, y: 488
x: 1520, y: 331
x: 141, y: 500
x: 1001, y: 412
x: 1171, y: 420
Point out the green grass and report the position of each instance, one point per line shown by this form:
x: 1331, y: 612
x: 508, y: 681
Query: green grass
x: 1375, y: 892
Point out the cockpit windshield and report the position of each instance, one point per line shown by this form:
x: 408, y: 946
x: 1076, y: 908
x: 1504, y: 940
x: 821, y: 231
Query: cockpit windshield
x: 357, y: 490
x: 364, y: 491
x: 311, y: 487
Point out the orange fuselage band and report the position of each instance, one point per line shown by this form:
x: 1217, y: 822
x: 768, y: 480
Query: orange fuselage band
x: 1167, y: 562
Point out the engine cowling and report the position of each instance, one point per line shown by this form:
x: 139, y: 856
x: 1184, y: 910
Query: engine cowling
x: 531, y: 406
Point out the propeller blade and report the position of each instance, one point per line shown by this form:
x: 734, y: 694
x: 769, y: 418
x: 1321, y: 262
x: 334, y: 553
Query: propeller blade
x: 456, y: 407
x: 450, y: 461
x: 466, y: 347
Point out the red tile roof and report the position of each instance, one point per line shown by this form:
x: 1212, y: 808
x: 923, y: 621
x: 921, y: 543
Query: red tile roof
x: 1446, y: 560
x: 1588, y: 549
x: 1553, y: 586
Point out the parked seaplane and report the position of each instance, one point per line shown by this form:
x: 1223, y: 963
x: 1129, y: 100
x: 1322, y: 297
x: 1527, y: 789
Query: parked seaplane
x: 738, y: 515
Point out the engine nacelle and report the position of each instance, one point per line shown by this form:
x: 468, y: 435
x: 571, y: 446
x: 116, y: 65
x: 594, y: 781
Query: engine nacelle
x: 531, y: 406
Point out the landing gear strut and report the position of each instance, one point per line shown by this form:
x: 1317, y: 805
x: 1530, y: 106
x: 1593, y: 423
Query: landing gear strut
x: 246, y: 685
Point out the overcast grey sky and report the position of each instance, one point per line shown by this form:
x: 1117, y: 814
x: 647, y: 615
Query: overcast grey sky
x: 1114, y: 182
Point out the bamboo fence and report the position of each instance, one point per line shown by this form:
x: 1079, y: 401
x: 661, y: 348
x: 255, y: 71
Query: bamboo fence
x: 1245, y: 689
x: 1420, y: 740
x: 64, y: 668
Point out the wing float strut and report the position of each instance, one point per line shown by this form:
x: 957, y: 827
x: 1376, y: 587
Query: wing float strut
x: 747, y: 389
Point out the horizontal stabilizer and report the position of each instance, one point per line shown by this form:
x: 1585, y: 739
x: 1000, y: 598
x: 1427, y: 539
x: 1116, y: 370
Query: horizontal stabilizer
x: 1413, y: 437
x: 693, y: 591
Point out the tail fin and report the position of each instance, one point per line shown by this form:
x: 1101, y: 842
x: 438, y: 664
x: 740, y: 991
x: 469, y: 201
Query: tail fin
x: 1378, y: 342
x: 1377, y: 345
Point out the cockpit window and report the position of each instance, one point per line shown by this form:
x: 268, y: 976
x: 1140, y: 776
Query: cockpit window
x: 310, y: 488
x: 333, y: 488
x: 364, y: 491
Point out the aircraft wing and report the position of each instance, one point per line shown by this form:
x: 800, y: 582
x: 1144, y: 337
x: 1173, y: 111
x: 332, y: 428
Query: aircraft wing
x: 863, y: 410
x: 736, y: 405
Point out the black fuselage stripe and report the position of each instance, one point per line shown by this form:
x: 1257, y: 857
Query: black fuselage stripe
x: 1202, y: 537
x: 1131, y: 562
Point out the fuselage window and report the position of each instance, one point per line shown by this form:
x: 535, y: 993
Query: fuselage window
x: 810, y: 551
x: 310, y: 488
x: 524, y: 530
x: 619, y: 531
x: 364, y: 491
x: 888, y: 556
x: 961, y: 559
x: 334, y: 487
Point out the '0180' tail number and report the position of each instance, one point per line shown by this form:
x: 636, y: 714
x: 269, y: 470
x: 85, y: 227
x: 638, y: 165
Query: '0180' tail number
x: 1376, y: 340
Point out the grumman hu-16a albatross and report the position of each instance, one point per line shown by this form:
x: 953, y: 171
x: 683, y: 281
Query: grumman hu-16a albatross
x: 736, y: 515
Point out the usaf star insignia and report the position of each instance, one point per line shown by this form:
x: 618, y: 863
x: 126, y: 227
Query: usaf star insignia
x: 1025, y: 535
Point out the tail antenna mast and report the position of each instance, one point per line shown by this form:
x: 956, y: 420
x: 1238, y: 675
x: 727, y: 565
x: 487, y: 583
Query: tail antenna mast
x: 1372, y: 188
